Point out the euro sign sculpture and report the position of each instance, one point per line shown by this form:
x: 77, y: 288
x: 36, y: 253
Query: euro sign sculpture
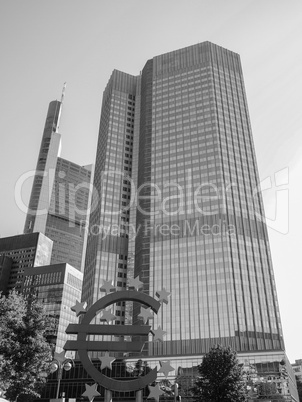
x: 85, y: 328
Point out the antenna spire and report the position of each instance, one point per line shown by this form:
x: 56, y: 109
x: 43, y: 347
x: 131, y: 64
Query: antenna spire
x: 63, y: 92
x: 60, y: 110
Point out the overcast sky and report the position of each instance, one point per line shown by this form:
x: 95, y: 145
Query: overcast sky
x: 45, y: 43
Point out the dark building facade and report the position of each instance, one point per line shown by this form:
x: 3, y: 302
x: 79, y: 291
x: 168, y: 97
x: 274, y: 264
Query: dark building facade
x: 5, y: 270
x: 18, y: 254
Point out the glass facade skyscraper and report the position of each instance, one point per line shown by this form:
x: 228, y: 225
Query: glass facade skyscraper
x: 207, y: 242
x: 177, y: 202
x: 107, y: 248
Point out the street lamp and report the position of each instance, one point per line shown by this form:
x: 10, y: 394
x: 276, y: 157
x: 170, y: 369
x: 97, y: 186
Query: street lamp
x: 176, y: 396
x: 60, y: 363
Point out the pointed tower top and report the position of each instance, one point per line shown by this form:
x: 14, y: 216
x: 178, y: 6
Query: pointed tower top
x: 63, y: 92
x: 61, y: 104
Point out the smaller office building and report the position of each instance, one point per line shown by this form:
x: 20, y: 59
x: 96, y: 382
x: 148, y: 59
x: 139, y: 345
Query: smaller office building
x: 19, y: 253
x: 297, y: 367
x: 57, y: 287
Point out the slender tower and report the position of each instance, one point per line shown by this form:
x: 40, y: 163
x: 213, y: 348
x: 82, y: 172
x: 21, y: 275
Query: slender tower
x: 60, y: 196
x: 44, y: 178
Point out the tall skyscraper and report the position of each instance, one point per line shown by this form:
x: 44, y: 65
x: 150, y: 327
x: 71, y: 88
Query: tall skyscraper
x: 177, y: 181
x: 200, y: 160
x: 60, y: 196
x: 107, y: 248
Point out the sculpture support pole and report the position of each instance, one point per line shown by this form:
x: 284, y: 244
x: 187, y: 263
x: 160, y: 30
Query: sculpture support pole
x: 60, y: 372
x: 175, y: 391
x: 108, y: 395
x: 139, y: 396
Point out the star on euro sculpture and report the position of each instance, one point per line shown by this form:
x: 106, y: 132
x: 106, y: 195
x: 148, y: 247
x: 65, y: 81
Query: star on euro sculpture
x: 135, y: 283
x: 165, y: 367
x: 158, y: 333
x: 155, y: 392
x: 145, y: 314
x: 107, y: 361
x: 163, y: 296
x: 60, y: 357
x: 107, y: 287
x: 91, y: 392
x: 79, y: 308
x: 108, y: 316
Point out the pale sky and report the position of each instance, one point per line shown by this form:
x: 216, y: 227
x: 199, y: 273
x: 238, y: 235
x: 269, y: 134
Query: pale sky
x: 45, y: 43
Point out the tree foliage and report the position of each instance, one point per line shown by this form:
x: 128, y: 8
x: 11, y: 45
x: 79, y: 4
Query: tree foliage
x: 24, y: 352
x: 220, y: 377
x: 268, y: 390
x: 166, y: 386
x: 141, y: 368
x: 186, y: 379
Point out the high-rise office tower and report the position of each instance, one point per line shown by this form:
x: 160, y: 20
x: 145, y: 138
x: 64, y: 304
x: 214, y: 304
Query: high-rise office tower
x: 177, y: 181
x: 107, y: 248
x: 200, y: 160
x: 60, y: 196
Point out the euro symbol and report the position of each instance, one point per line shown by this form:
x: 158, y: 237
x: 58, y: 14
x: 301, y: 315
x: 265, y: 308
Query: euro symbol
x: 85, y: 328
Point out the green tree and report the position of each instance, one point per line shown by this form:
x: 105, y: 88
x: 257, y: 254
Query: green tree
x: 166, y: 386
x: 141, y: 368
x: 268, y: 390
x: 25, y: 354
x: 186, y: 380
x: 220, y: 377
